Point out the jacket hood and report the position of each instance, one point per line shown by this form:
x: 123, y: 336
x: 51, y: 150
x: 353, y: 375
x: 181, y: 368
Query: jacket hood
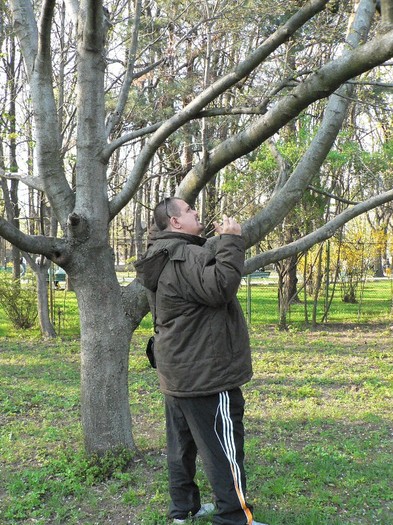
x: 160, y: 249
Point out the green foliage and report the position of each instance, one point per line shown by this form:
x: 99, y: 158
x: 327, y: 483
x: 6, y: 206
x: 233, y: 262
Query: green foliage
x: 264, y: 168
x: 101, y: 468
x: 19, y: 302
x: 345, y: 152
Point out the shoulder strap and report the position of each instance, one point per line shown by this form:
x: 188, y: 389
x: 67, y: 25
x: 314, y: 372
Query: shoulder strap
x: 165, y: 261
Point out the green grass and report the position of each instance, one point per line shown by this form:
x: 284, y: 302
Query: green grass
x: 319, y: 445
x: 374, y: 305
x: 318, y: 421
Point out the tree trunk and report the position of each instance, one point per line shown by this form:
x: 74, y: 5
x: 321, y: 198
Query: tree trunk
x: 140, y: 229
x: 317, y: 288
x: 287, y: 283
x: 283, y: 303
x: 292, y: 281
x: 105, y: 343
x: 378, y: 266
x: 46, y: 326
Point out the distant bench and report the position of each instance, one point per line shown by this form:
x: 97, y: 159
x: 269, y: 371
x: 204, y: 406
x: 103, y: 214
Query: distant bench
x: 58, y: 276
x: 259, y: 274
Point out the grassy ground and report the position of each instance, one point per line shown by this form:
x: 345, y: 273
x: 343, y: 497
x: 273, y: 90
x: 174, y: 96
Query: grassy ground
x: 319, y: 434
x: 374, y: 304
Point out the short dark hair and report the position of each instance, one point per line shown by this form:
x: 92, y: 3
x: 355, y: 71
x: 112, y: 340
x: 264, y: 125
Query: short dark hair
x: 164, y: 210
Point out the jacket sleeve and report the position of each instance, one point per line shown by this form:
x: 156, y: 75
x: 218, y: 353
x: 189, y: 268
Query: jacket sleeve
x: 214, y: 279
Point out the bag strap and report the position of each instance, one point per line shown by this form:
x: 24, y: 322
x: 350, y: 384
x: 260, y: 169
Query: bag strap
x: 155, y: 293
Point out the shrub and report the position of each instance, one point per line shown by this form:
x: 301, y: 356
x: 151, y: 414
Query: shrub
x: 19, y: 302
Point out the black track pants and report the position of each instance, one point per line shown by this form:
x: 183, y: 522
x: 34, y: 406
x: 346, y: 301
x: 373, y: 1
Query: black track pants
x: 213, y: 427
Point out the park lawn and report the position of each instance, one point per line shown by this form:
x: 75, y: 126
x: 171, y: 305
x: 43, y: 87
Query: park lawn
x: 375, y: 304
x: 375, y: 300
x: 319, y: 433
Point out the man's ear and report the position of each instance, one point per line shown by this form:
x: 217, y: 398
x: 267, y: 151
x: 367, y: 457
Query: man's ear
x: 175, y: 223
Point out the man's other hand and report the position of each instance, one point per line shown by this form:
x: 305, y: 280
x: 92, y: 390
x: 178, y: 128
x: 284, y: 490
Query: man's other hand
x: 228, y: 225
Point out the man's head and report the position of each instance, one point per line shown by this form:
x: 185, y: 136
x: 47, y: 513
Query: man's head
x: 174, y: 214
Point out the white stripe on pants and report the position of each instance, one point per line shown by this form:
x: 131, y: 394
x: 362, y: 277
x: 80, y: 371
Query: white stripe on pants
x: 213, y: 426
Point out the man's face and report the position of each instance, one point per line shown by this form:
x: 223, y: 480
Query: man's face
x: 188, y: 220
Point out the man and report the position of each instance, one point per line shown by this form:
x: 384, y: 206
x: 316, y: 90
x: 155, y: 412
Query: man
x: 203, y: 357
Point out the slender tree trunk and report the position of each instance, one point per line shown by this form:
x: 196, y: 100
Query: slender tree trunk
x: 140, y: 229
x: 293, y: 280
x: 305, y: 286
x: 46, y: 325
x: 283, y: 299
x: 378, y: 266
x: 12, y: 153
x: 318, y: 282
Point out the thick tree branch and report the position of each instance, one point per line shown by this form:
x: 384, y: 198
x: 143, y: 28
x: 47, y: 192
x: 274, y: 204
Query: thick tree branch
x: 319, y: 235
x: 32, y: 182
x: 212, y: 92
x: 92, y: 24
x: 25, y: 25
x: 91, y: 199
x: 44, y: 35
x: 38, y: 67
x: 319, y: 85
x: 135, y: 302
x: 308, y: 167
x: 51, y: 247
x: 387, y: 13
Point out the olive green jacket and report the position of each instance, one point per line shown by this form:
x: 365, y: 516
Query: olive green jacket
x: 201, y: 342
